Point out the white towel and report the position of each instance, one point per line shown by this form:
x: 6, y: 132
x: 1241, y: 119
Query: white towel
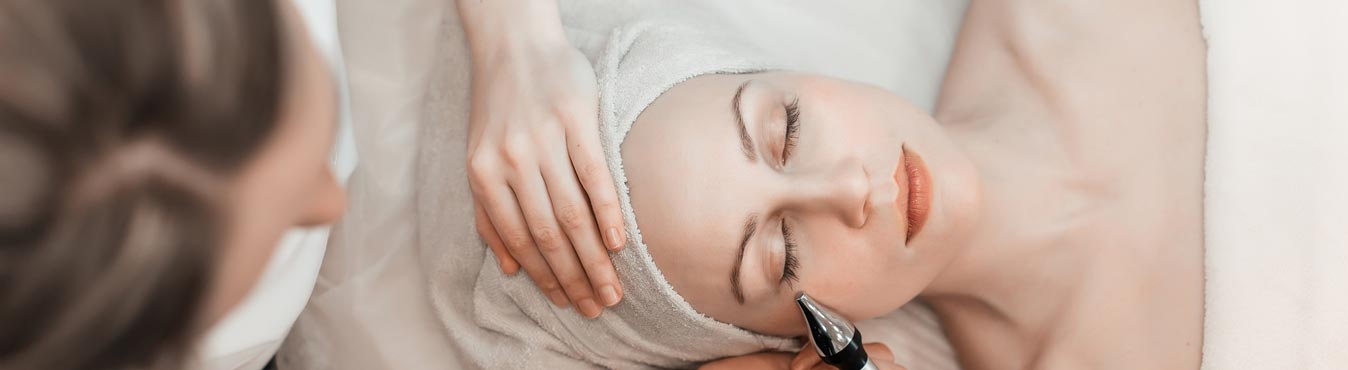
x: 653, y: 325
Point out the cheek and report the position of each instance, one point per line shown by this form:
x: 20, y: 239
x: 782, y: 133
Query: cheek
x: 858, y: 133
x: 268, y: 201
x: 856, y: 117
x: 241, y: 260
x: 859, y: 276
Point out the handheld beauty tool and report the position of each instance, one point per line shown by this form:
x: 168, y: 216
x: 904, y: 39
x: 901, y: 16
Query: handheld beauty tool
x: 836, y: 340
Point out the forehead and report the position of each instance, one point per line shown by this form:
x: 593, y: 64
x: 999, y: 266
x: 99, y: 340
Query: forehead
x: 688, y: 183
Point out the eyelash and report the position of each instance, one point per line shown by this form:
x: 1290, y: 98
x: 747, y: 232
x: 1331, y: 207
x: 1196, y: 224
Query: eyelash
x: 792, y: 263
x: 792, y: 128
x: 792, y: 134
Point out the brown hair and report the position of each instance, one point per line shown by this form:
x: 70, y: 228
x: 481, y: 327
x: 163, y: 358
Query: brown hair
x: 120, y: 122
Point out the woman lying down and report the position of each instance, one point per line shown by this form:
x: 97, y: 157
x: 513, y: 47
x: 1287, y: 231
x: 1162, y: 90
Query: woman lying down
x: 1050, y: 211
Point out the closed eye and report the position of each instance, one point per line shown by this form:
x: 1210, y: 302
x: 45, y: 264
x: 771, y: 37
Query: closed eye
x: 792, y: 129
x: 791, y: 263
x: 792, y: 132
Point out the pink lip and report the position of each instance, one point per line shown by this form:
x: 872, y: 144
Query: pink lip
x: 914, y: 198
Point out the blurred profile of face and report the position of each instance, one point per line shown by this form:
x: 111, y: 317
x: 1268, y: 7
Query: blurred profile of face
x: 751, y: 188
x: 289, y: 182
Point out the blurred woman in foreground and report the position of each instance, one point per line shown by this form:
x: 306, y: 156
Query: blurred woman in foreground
x: 152, y: 153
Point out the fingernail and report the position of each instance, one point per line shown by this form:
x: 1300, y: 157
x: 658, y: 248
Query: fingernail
x: 615, y: 240
x: 610, y: 295
x: 558, y: 298
x: 588, y: 308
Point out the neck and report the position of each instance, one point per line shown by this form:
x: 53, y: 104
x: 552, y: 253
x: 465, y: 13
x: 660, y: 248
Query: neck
x: 1018, y: 267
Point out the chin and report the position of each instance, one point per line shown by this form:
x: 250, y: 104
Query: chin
x: 958, y: 203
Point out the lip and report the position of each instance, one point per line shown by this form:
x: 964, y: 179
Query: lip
x: 914, y: 198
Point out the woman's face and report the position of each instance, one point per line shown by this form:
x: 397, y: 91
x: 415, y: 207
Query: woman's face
x: 743, y: 206
x: 289, y: 181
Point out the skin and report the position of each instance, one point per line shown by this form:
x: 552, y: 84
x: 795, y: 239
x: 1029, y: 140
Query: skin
x: 837, y: 193
x: 1067, y: 167
x: 289, y: 183
x: 535, y: 164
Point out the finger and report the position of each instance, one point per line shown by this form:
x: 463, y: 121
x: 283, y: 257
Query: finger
x: 823, y: 366
x: 587, y: 160
x: 488, y: 231
x: 573, y: 214
x: 553, y: 243
x: 510, y: 226
x: 808, y: 359
x: 882, y: 365
x: 888, y: 365
x: 805, y: 359
x: 879, y: 351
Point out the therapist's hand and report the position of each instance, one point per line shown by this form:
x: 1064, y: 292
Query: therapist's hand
x: 806, y: 359
x: 878, y: 353
x: 544, y: 198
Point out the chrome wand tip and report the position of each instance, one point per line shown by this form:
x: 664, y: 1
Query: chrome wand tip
x: 837, y: 341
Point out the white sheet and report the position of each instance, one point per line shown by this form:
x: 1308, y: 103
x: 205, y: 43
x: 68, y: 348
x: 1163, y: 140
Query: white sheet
x: 1277, y: 185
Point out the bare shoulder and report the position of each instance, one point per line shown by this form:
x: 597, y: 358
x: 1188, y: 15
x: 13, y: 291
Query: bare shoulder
x: 1063, y: 50
x: 1101, y: 23
x: 1080, y: 38
x: 1104, y: 72
x: 1107, y: 78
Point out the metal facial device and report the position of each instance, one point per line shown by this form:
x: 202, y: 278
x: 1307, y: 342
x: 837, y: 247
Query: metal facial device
x: 836, y: 339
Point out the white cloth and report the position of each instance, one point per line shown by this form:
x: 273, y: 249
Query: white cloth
x: 408, y: 67
x: 369, y: 308
x: 1277, y: 185
x: 653, y: 326
x: 248, y: 336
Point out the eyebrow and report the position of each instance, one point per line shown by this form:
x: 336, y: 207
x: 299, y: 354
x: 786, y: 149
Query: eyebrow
x: 746, y: 142
x: 750, y: 227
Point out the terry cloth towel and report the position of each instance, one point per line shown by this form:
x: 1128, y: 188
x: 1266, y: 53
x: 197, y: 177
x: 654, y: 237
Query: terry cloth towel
x: 1276, y: 190
x: 653, y: 325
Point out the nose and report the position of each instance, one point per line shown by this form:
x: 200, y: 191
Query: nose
x: 842, y: 189
x: 328, y: 204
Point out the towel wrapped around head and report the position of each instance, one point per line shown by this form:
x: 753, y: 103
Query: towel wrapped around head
x: 653, y: 326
